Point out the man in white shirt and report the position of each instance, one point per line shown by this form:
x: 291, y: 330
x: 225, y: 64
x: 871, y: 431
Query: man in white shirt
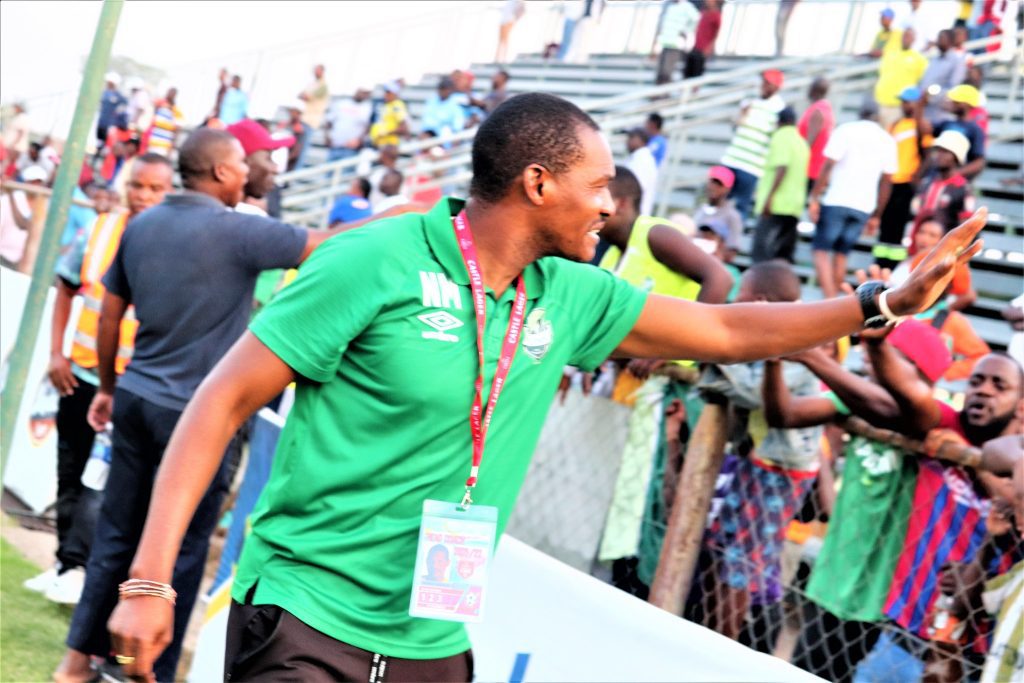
x: 391, y: 190
x: 644, y: 167
x: 860, y: 158
x: 348, y: 123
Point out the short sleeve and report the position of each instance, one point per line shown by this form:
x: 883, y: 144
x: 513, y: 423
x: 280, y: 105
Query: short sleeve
x: 69, y: 265
x: 116, y: 280
x: 835, y: 148
x: 779, y: 153
x: 977, y: 139
x: 837, y: 402
x: 266, y: 243
x: 890, y: 163
x: 334, y: 298
x: 605, y: 308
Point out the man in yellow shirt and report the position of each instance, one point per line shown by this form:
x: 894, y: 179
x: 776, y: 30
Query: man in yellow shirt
x: 392, y: 123
x: 888, y: 38
x: 898, y: 70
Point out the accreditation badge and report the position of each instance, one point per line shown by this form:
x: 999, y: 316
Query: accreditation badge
x: 453, y: 561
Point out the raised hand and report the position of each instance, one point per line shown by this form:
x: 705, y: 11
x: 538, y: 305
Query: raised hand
x: 929, y: 280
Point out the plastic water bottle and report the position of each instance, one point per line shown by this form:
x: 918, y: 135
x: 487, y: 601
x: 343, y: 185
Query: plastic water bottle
x: 97, y: 468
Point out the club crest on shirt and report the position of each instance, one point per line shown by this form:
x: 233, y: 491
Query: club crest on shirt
x: 537, y: 335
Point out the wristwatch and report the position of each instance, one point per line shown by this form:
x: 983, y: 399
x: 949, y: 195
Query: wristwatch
x: 868, y: 295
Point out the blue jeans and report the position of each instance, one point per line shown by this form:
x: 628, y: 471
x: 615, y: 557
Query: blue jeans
x: 306, y: 135
x: 742, y: 192
x: 141, y: 432
x: 336, y: 153
x: 838, y: 229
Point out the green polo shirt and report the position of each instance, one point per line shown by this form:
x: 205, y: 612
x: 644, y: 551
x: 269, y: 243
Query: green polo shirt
x: 380, y: 323
x: 787, y: 149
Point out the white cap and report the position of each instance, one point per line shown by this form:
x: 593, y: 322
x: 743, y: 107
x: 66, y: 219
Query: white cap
x: 113, y: 77
x: 34, y: 173
x: 955, y: 142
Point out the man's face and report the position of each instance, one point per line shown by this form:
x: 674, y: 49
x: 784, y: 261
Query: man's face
x: 232, y: 173
x: 172, y: 95
x: 147, y: 186
x: 908, y: 38
x: 318, y: 71
x: 579, y: 202
x: 390, y: 96
x: 944, y: 41
x: 885, y: 21
x: 943, y: 159
x: 499, y: 81
x: 768, y: 89
x: 993, y: 396
x: 959, y: 36
x: 104, y: 200
x: 715, y: 190
x: 444, y: 93
x: 236, y: 82
x: 634, y: 142
x: 909, y: 108
x: 361, y: 95
x: 262, y: 172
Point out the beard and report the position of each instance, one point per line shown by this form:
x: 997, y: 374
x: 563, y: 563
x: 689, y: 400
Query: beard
x: 979, y: 434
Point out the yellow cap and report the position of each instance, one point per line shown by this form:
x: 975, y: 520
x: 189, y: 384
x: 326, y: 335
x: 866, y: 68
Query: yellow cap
x: 967, y: 94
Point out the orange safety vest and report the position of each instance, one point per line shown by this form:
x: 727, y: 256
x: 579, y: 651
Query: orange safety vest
x: 99, y: 252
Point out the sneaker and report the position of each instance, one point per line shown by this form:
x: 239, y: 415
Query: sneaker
x: 67, y: 589
x: 42, y: 582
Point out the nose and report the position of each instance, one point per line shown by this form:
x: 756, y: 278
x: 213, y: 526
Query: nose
x: 607, y: 204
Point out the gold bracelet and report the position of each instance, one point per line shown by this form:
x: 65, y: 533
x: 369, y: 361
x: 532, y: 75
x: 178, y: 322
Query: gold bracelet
x: 133, y: 588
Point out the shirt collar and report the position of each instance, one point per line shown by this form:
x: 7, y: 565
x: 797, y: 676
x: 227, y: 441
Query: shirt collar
x: 441, y: 239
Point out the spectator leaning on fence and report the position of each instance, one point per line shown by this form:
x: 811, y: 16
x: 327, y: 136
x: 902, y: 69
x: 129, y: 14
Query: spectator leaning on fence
x: 746, y: 154
x: 80, y: 271
x: 539, y: 189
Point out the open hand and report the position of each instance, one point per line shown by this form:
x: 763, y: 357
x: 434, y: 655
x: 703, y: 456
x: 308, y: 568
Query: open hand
x: 929, y: 280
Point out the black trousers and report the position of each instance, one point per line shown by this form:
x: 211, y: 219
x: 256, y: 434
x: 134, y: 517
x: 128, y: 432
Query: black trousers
x: 77, y: 506
x: 889, y: 250
x: 268, y: 643
x: 141, y: 432
x: 774, y: 237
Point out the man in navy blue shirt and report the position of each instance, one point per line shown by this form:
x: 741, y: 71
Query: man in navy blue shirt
x: 113, y: 110
x: 962, y: 99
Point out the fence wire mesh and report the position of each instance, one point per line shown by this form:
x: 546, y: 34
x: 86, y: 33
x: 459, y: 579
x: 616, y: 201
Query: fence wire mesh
x: 872, y: 564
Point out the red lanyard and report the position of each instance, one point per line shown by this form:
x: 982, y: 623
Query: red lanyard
x: 480, y: 420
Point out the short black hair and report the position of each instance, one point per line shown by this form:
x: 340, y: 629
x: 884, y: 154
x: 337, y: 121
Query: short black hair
x: 200, y: 153
x: 154, y: 158
x: 774, y: 280
x: 656, y: 118
x: 364, y: 187
x: 533, y: 128
x: 506, y: 74
x: 787, y: 116
x: 626, y: 185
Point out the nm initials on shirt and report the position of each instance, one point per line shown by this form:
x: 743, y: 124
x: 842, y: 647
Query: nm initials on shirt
x: 439, y: 291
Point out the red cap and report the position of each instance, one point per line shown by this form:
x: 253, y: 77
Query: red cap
x: 923, y: 345
x: 773, y: 76
x: 255, y: 137
x: 722, y: 175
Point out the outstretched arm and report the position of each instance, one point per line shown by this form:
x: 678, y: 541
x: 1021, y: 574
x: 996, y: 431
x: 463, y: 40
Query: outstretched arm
x: 672, y: 328
x: 919, y: 409
x: 782, y: 410
x: 863, y: 398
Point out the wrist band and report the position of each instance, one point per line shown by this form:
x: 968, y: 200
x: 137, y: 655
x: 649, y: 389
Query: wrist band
x: 883, y: 306
x: 133, y: 588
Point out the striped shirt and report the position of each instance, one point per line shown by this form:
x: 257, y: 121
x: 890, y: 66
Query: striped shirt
x: 749, y: 147
x: 167, y: 118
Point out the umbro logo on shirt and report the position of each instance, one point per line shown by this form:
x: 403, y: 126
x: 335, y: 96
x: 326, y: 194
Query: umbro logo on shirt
x: 441, y: 321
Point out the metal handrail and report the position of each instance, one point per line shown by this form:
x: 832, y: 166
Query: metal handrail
x: 683, y: 113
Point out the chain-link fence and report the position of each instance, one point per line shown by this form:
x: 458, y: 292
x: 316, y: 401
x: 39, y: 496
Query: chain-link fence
x: 858, y: 561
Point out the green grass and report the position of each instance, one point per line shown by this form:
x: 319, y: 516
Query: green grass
x: 32, y: 629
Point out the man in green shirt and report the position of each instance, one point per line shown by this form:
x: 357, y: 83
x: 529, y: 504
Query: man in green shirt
x: 781, y: 192
x: 381, y: 330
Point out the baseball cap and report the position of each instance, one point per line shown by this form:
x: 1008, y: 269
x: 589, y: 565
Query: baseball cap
x: 923, y: 345
x: 773, y: 76
x: 33, y: 174
x: 113, y: 77
x: 910, y: 94
x: 350, y: 208
x: 954, y: 141
x: 392, y: 87
x: 888, y: 13
x: 967, y: 94
x: 722, y: 175
x: 255, y: 137
x: 717, y: 226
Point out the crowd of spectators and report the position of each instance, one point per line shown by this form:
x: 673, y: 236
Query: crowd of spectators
x: 906, y: 543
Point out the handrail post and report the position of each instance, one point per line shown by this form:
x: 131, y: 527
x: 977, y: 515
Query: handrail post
x: 57, y: 216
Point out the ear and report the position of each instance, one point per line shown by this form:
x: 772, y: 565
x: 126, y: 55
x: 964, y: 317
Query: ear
x: 538, y: 184
x: 219, y: 173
